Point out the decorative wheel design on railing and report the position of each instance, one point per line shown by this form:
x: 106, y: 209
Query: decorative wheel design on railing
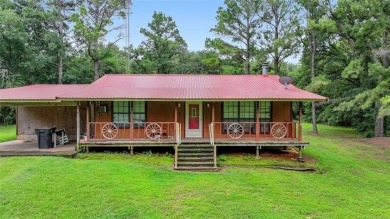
x: 278, y: 130
x: 153, y: 131
x: 109, y: 130
x: 235, y: 130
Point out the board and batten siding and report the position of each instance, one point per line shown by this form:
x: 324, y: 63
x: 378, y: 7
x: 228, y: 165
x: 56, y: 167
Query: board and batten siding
x: 34, y: 117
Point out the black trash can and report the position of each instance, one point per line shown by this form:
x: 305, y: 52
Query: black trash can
x: 45, y: 136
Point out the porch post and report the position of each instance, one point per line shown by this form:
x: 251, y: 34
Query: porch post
x: 213, y: 112
x: 213, y: 126
x: 87, y: 121
x: 78, y: 124
x: 132, y: 121
x: 175, y: 125
x: 300, y: 122
x: 257, y: 123
x: 175, y: 114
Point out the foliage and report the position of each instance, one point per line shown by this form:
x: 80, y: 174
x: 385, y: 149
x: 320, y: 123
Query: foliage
x: 162, y: 47
x: 281, y: 30
x: 351, y: 62
x: 7, y: 133
x: 237, y: 26
x: 93, y: 21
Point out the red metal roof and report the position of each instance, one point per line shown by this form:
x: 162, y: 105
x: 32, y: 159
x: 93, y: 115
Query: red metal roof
x: 165, y: 87
x: 190, y: 87
x: 38, y: 92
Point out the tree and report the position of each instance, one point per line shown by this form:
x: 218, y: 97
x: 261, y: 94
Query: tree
x: 163, y: 42
x: 93, y: 22
x: 60, y: 10
x: 280, y: 30
x: 365, y: 30
x: 313, y: 38
x: 237, y: 27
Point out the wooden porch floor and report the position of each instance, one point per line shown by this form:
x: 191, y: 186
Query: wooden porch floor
x: 218, y: 142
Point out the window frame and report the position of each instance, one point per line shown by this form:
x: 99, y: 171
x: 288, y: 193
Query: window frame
x: 267, y: 126
x: 257, y: 105
x: 130, y: 110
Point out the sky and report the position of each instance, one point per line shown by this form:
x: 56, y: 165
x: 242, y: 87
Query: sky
x: 194, y: 19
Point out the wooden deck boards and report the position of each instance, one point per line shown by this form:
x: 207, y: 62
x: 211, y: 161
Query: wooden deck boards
x: 218, y: 142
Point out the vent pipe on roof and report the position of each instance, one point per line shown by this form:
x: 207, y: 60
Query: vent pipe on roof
x: 265, y: 68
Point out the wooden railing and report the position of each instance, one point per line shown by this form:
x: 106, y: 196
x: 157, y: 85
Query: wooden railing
x: 137, y: 131
x: 255, y: 131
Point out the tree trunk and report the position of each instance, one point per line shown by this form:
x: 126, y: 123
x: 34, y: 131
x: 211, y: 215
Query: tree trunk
x: 61, y: 38
x: 247, y: 64
x: 313, y: 105
x: 379, y: 122
x: 276, y: 37
x: 96, y: 68
x: 60, y: 67
x: 248, y: 48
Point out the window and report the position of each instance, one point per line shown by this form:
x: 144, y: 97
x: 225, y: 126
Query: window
x: 121, y: 113
x: 139, y: 113
x: 265, y: 116
x: 265, y: 111
x: 234, y: 111
x: 230, y: 112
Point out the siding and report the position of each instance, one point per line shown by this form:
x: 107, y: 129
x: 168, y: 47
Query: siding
x: 31, y: 118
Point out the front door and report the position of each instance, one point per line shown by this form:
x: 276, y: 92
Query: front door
x: 194, y: 119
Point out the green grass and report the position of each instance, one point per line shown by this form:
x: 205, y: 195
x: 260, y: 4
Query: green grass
x: 352, y: 182
x: 7, y: 133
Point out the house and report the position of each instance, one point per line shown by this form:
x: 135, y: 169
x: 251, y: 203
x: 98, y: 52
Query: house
x: 195, y: 114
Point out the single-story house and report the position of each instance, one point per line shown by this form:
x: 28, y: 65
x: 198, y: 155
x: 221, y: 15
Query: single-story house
x: 192, y: 113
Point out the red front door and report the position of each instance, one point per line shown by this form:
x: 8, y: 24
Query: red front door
x: 194, y: 120
x: 193, y: 116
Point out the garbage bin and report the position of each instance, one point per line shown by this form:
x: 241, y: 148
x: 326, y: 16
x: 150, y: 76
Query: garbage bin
x: 44, y: 136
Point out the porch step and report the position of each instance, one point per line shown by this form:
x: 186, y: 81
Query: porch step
x: 196, y: 157
x: 197, y: 168
x: 185, y: 163
x: 196, y: 149
x: 195, y: 154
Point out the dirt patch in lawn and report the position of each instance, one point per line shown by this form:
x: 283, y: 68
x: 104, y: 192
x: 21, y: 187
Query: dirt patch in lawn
x: 378, y: 141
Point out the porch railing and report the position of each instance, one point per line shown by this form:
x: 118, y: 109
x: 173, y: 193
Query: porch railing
x: 255, y: 131
x: 137, y: 131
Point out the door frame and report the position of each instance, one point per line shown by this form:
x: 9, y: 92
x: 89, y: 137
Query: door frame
x: 188, y: 133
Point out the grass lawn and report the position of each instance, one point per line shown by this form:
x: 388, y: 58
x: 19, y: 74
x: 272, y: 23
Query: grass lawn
x: 7, y: 133
x: 352, y: 181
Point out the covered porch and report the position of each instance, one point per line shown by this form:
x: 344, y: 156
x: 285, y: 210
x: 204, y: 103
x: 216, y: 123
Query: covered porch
x: 196, y: 123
